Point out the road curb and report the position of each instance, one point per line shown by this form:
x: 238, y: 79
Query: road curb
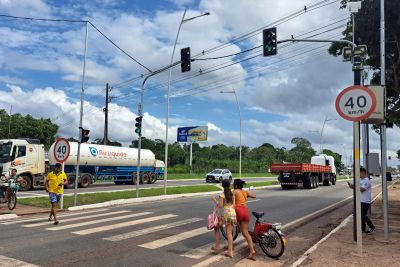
x: 340, y: 226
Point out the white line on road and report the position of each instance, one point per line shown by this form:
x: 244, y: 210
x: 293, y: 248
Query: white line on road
x: 10, y: 262
x: 79, y: 218
x: 151, y: 230
x: 61, y: 216
x: 205, y: 250
x: 57, y: 228
x: 123, y: 224
x: 175, y: 238
x: 254, y: 200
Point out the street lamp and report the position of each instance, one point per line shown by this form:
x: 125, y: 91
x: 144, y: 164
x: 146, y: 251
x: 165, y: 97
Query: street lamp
x: 240, y: 119
x: 183, y: 20
x: 322, y: 131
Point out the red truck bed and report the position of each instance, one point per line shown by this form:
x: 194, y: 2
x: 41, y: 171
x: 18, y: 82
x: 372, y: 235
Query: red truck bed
x: 299, y: 167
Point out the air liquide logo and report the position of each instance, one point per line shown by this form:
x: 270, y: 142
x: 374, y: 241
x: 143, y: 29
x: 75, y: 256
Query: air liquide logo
x: 93, y: 151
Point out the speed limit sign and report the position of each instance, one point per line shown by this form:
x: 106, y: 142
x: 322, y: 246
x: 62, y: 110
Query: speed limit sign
x: 356, y: 103
x: 61, y: 150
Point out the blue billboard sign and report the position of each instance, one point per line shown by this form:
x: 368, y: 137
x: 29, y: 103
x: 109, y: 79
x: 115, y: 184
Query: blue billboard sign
x: 192, y: 134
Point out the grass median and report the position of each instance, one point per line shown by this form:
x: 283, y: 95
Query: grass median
x: 176, y: 176
x: 84, y: 199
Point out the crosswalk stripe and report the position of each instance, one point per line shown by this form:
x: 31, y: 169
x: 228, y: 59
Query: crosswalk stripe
x: 151, y: 230
x: 23, y: 220
x: 57, y: 228
x: 10, y: 262
x: 123, y: 224
x: 78, y: 218
x: 175, y: 238
x: 218, y: 257
x: 205, y: 250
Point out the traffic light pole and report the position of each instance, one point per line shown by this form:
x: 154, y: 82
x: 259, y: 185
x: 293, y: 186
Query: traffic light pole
x: 140, y: 113
x: 81, y: 117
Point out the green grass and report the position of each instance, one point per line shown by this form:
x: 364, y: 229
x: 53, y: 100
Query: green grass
x: 342, y: 177
x: 175, y: 176
x: 93, y: 198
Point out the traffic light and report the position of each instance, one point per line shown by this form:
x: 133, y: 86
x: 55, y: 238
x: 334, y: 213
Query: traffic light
x: 185, y: 59
x: 84, y: 135
x: 270, y: 44
x: 138, y: 125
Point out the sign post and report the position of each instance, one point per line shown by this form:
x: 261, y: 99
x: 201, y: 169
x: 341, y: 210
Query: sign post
x: 61, y: 153
x: 356, y: 103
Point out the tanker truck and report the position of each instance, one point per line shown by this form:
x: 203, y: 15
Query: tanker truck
x: 96, y: 162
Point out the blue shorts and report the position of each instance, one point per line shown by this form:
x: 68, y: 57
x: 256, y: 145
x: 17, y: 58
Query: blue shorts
x: 54, y: 198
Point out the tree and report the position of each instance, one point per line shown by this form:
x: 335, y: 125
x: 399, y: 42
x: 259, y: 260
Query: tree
x: 367, y: 31
x: 302, y: 152
x: 28, y: 127
x: 100, y: 141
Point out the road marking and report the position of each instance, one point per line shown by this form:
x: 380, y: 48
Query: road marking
x: 10, y: 262
x: 203, y: 251
x: 62, y: 216
x: 151, y: 230
x: 254, y: 200
x: 175, y: 238
x: 123, y: 224
x: 57, y: 228
x: 219, y: 257
x: 79, y: 218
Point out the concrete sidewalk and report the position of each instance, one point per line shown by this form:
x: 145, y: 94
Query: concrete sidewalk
x: 340, y: 249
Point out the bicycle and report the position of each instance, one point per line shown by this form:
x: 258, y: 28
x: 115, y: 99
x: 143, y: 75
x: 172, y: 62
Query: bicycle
x: 269, y: 236
x: 10, y: 189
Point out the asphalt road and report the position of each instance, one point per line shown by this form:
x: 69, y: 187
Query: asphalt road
x: 109, y: 187
x: 167, y: 233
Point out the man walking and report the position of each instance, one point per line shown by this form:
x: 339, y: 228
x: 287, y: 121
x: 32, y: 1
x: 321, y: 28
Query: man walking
x: 365, y: 189
x: 54, y: 182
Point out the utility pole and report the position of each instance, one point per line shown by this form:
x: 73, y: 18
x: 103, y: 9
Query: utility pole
x: 383, y: 126
x: 9, y: 124
x: 105, y: 139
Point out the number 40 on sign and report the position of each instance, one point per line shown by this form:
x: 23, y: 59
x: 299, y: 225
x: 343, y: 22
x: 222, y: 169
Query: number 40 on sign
x: 356, y: 103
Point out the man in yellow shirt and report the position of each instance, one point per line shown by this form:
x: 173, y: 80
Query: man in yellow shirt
x: 54, y: 182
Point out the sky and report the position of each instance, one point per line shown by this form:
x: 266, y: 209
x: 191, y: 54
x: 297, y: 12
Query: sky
x: 281, y: 97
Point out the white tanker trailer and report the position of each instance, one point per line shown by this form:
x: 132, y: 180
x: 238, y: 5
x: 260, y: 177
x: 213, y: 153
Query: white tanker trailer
x: 27, y: 156
x: 98, y: 161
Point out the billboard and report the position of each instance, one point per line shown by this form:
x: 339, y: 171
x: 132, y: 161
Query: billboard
x: 192, y: 134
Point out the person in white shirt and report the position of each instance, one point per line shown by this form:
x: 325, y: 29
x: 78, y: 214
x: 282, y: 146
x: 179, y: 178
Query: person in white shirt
x: 365, y: 188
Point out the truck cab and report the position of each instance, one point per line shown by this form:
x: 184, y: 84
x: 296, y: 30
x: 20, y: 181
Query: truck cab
x: 325, y: 160
x: 24, y: 155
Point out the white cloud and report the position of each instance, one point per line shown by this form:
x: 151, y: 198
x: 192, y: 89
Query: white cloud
x: 25, y: 8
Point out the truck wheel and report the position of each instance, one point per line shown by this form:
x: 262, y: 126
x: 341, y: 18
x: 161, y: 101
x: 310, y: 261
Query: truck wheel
x: 134, y: 177
x: 145, y: 178
x: 153, y: 178
x: 333, y: 180
x: 26, y: 183
x: 85, y: 181
x: 312, y: 182
x: 70, y: 182
x: 316, y: 182
x: 307, y: 182
x: 284, y: 187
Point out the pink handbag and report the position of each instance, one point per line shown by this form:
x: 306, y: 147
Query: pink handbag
x: 212, y: 220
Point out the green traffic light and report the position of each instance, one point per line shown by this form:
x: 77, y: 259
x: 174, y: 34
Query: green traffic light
x: 138, y: 131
